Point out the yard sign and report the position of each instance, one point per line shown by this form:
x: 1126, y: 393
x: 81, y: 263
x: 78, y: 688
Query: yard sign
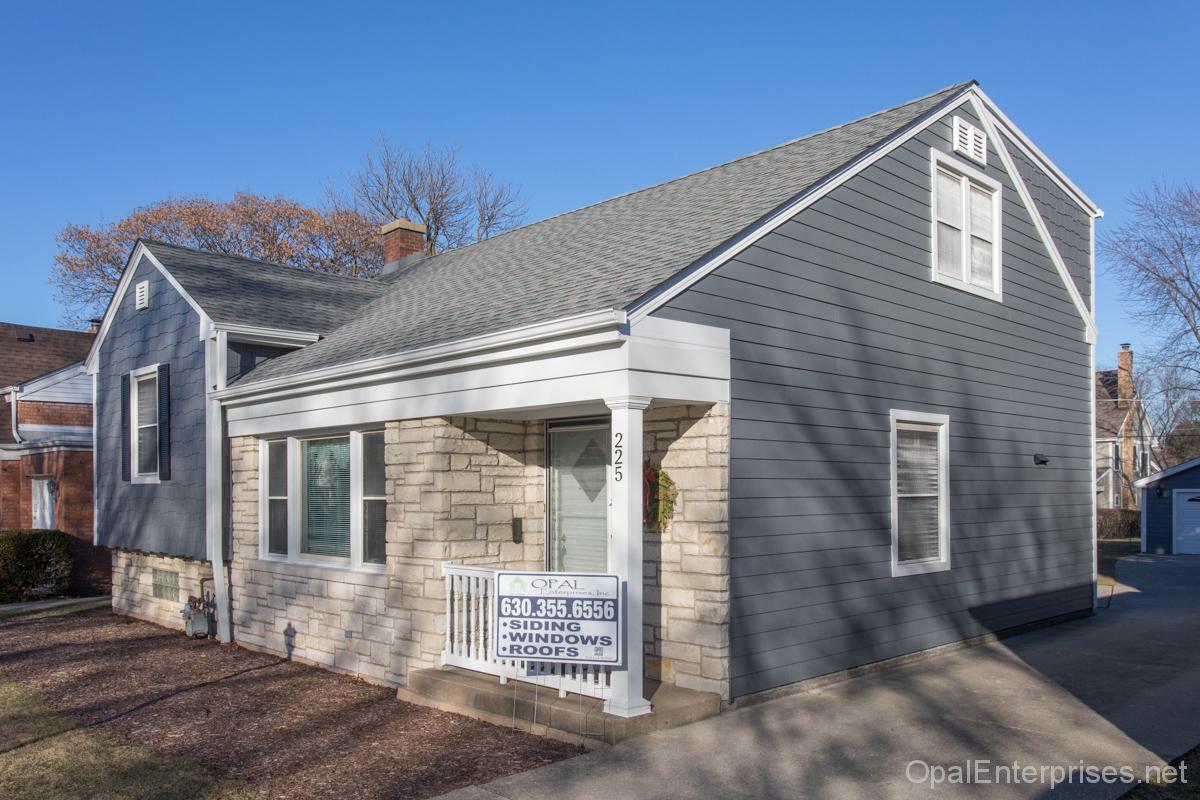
x: 572, y: 618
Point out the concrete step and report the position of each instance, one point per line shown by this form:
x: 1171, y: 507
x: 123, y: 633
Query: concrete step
x: 539, y: 709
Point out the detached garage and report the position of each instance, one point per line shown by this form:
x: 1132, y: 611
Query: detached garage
x: 1171, y: 510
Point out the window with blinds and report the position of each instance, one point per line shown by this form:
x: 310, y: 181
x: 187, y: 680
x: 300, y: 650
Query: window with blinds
x: 277, y: 498
x: 920, y: 525
x: 374, y: 499
x: 966, y: 229
x: 325, y: 530
x: 145, y: 414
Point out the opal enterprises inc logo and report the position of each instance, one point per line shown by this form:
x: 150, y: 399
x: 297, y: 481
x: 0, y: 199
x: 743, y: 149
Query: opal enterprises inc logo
x: 985, y: 771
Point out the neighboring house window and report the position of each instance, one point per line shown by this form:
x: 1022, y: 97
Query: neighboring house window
x: 966, y: 227
x: 323, y: 499
x: 145, y: 425
x: 920, y: 493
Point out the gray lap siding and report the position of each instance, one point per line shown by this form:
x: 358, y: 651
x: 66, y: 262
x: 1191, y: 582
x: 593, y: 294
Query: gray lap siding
x: 165, y: 517
x: 1160, y: 511
x: 834, y: 321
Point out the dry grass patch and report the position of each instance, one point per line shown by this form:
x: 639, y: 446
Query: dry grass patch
x: 44, y: 756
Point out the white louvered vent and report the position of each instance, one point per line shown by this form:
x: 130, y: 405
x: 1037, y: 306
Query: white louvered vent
x: 142, y: 295
x: 970, y: 141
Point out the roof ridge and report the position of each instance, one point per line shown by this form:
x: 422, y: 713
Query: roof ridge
x: 46, y: 328
x: 159, y: 243
x: 960, y: 86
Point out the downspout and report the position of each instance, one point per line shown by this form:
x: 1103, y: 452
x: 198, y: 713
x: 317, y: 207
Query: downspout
x: 15, y: 394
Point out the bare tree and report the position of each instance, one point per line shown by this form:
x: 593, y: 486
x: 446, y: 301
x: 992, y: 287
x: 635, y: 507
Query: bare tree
x: 456, y: 205
x: 1156, y: 258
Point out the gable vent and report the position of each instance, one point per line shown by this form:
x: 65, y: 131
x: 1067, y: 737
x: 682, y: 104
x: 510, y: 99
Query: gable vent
x: 141, y: 294
x: 970, y: 141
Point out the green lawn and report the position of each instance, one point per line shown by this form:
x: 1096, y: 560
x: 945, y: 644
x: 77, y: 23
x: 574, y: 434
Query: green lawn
x: 79, y: 608
x: 45, y: 756
x: 1108, y: 551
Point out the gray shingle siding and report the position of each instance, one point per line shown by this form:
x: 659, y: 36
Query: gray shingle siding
x: 1160, y: 510
x: 1069, y: 225
x: 834, y: 321
x: 167, y: 517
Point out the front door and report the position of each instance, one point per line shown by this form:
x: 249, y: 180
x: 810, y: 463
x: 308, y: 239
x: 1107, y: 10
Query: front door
x: 578, y: 498
x: 1187, y: 521
x: 43, y: 503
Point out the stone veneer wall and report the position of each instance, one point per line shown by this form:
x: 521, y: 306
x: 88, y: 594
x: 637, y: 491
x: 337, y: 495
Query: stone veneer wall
x: 455, y: 486
x: 687, y: 564
x: 133, y: 585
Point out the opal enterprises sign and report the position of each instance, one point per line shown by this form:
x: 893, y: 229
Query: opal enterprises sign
x: 558, y: 616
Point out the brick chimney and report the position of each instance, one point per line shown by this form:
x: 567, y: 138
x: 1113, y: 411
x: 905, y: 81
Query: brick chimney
x: 402, y: 238
x: 1124, y: 376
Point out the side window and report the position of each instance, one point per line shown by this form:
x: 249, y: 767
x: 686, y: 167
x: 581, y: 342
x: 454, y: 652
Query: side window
x: 920, y: 493
x: 144, y: 441
x: 966, y: 228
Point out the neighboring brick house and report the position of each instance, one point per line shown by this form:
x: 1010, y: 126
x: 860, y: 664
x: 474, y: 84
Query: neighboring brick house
x: 1126, y: 447
x: 855, y: 354
x: 46, y: 443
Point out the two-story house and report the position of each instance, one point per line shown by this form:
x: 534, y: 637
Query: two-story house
x: 1126, y: 448
x: 863, y: 357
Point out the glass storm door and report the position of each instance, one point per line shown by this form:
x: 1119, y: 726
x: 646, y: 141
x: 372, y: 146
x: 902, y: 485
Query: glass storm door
x: 578, y: 483
x: 43, y: 504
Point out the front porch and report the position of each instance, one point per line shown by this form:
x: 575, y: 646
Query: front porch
x: 469, y: 461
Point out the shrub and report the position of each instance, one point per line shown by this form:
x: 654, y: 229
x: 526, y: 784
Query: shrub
x: 33, y: 562
x: 1118, y: 523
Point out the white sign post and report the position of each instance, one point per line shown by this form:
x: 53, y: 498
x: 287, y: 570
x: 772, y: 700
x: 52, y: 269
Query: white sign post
x: 558, y: 616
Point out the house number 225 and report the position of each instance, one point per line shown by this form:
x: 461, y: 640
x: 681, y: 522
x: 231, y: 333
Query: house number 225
x: 618, y: 456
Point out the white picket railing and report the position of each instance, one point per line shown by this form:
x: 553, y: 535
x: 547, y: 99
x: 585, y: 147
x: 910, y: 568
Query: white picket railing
x: 469, y: 592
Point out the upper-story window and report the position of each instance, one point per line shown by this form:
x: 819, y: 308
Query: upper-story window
x: 966, y: 227
x: 324, y: 499
x: 145, y: 424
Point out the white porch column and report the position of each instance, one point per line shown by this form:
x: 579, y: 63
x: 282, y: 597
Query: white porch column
x: 625, y: 548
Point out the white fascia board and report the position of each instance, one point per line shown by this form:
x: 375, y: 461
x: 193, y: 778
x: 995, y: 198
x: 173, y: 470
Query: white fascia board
x: 489, y: 347
x: 1038, y: 157
x: 270, y: 336
x: 667, y: 360
x: 119, y: 293
x: 1038, y: 223
x: 668, y: 291
x: 1150, y: 480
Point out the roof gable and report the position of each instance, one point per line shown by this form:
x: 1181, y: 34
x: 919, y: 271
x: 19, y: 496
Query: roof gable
x: 605, y: 256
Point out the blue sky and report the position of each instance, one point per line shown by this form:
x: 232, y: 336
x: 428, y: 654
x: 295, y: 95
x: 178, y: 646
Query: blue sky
x: 106, y: 108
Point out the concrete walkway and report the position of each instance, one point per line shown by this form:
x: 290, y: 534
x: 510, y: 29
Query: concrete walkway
x: 11, y: 609
x: 1120, y: 688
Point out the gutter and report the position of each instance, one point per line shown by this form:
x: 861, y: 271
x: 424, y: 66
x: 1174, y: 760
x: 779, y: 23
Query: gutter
x: 607, y: 320
x: 15, y: 393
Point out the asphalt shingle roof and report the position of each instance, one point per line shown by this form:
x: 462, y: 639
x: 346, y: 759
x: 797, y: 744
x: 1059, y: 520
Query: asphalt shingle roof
x: 238, y: 290
x: 604, y: 256
x: 1109, y: 414
x: 27, y: 351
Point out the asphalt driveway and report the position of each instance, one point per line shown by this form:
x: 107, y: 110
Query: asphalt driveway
x: 1119, y: 689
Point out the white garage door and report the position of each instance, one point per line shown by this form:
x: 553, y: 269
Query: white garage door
x: 1187, y: 521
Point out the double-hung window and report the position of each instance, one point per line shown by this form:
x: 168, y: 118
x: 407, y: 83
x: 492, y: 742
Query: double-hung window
x: 144, y: 434
x: 324, y: 499
x: 966, y: 227
x: 920, y: 493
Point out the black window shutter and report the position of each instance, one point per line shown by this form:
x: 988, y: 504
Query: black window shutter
x: 164, y: 422
x: 124, y: 427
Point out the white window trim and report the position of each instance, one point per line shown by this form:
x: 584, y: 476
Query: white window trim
x: 295, y: 485
x: 967, y: 173
x: 943, y: 562
x: 134, y: 377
